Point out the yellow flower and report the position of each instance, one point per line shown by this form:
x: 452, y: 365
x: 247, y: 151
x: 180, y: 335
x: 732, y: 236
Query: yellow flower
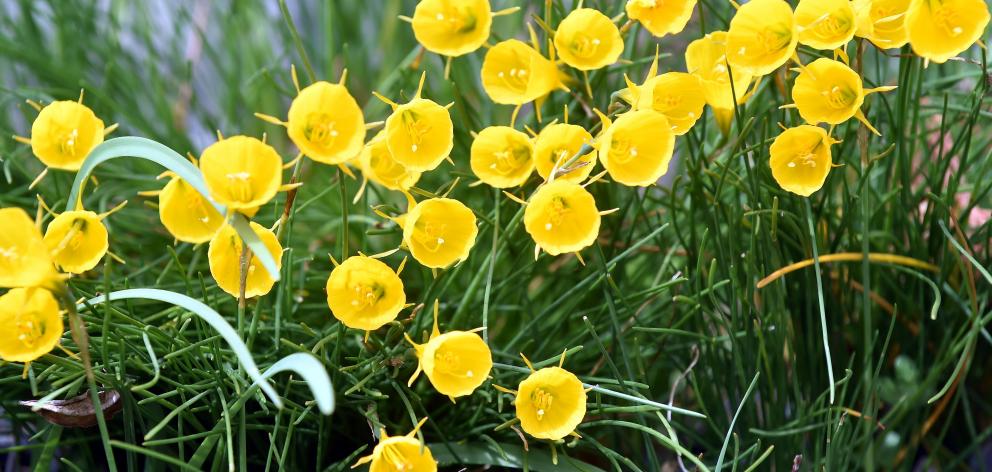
x: 456, y: 362
x: 883, y: 22
x: 941, y: 29
x: 825, y: 24
x: 400, y: 453
x: 30, y: 322
x: 241, y: 172
x: 828, y: 91
x: 514, y: 73
x: 636, y: 149
x: 661, y: 17
x: 77, y: 240
x: 326, y: 123
x: 364, y: 293
x: 556, y: 144
x: 550, y: 403
x: 452, y: 28
x: 419, y: 133
x: 562, y: 217
x: 677, y: 95
x: 378, y: 165
x: 439, y: 232
x: 224, y: 256
x: 186, y: 214
x: 762, y: 36
x: 800, y: 159
x: 706, y: 58
x: 587, y: 39
x: 502, y: 156
x: 64, y: 133
x: 24, y: 258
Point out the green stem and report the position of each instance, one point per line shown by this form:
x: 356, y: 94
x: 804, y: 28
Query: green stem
x: 819, y: 296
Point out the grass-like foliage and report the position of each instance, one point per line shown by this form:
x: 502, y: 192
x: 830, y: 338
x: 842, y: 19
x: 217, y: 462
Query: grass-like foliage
x: 719, y: 321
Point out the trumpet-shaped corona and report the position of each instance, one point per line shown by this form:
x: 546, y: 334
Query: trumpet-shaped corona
x: 30, y: 322
x: 452, y: 28
x: 224, y: 256
x: 364, y: 293
x: 64, y: 133
x: 25, y: 260
x: 77, y: 240
x: 706, y: 58
x: 242, y: 173
x: 941, y: 29
x: 800, y: 159
x: 661, y: 17
x: 550, y: 403
x: 556, y: 145
x: 419, y: 133
x: 883, y: 22
x: 587, y: 39
x: 562, y: 217
x: 677, y: 95
x: 513, y: 73
x: 378, y: 165
x: 400, y: 453
x: 439, y: 232
x: 186, y: 214
x: 637, y: 147
x: 326, y: 123
x: 456, y: 362
x: 827, y: 91
x: 825, y: 24
x: 762, y: 36
x: 502, y: 156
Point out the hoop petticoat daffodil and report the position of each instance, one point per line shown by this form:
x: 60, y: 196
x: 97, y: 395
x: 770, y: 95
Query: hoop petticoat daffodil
x: 801, y: 159
x: 941, y: 29
x: 562, y: 217
x: 514, y: 73
x: 762, y: 36
x: 825, y: 24
x: 550, y: 403
x: 456, y: 362
x: 637, y: 147
x: 225, y: 258
x: 453, y: 28
x: 828, y: 91
x: 587, y: 39
x: 556, y: 144
x: 502, y: 156
x: 439, y: 232
x: 378, y: 165
x: 25, y: 260
x: 63, y: 134
x: 883, y: 22
x: 30, y: 322
x: 364, y: 293
x: 400, y: 453
x: 419, y: 133
x: 661, y: 17
x: 241, y: 173
x: 706, y: 58
x: 677, y: 95
x: 78, y: 239
x: 185, y: 213
x: 324, y: 121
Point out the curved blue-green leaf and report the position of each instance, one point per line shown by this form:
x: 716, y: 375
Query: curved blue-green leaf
x: 207, y: 314
x: 313, y: 373
x: 133, y: 146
